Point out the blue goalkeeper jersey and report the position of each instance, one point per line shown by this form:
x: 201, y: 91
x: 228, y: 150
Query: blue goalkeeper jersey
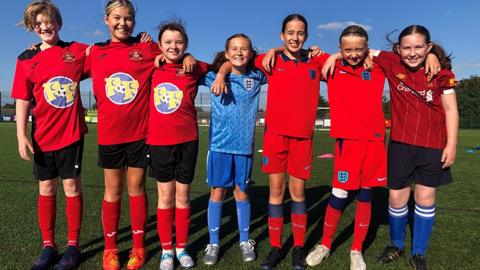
x: 233, y: 115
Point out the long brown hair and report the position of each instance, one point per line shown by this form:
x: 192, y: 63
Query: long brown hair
x: 444, y: 58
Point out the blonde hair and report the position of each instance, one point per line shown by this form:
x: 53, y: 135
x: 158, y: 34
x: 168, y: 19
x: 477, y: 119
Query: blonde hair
x: 44, y: 7
x: 113, y: 4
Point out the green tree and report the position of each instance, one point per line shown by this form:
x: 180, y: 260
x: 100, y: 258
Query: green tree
x: 468, y: 97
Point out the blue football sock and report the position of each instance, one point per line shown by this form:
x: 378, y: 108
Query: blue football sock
x: 423, y: 219
x: 214, y: 215
x: 398, y: 217
x: 243, y: 218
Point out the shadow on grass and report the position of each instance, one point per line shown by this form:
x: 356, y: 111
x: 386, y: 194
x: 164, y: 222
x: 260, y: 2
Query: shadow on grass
x: 317, y: 199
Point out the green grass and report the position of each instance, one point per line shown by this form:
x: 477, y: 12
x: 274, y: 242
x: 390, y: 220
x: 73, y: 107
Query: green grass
x: 454, y: 243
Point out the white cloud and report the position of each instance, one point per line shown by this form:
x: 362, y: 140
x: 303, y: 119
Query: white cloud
x: 96, y: 33
x: 332, y: 26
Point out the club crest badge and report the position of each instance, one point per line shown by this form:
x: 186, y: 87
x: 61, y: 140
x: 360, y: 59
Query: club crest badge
x: 135, y: 55
x: 366, y: 75
x: 68, y: 57
x: 342, y: 176
x: 248, y: 84
x: 400, y: 76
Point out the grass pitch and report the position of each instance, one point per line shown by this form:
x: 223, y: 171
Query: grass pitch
x: 453, y: 245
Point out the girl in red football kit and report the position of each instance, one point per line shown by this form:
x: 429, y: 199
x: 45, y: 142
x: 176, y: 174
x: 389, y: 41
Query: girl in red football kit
x: 423, y: 139
x: 289, y: 128
x: 47, y: 81
x: 355, y: 98
x: 121, y: 69
x: 173, y: 140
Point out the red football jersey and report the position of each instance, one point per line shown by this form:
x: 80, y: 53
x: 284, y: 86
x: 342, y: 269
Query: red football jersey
x: 121, y: 75
x: 418, y: 117
x: 50, y: 80
x: 293, y: 93
x: 173, y: 117
x: 355, y: 99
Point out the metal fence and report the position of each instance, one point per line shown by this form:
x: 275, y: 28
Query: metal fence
x: 202, y: 103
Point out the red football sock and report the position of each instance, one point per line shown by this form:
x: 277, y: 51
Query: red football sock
x: 74, y: 211
x: 275, y: 228
x: 332, y: 217
x: 110, y: 216
x: 138, y: 218
x: 362, y: 221
x: 299, y: 228
x: 164, y: 227
x: 182, y: 226
x: 47, y: 210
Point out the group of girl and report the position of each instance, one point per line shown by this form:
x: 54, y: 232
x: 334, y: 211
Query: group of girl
x: 163, y: 135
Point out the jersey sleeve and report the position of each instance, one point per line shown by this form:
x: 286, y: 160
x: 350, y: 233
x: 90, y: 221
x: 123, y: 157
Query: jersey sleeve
x: 446, y: 81
x: 87, y: 64
x: 258, y: 62
x: 22, y: 87
x: 208, y: 79
x: 384, y: 59
x: 261, y: 77
x: 202, y: 68
x: 81, y: 51
x: 320, y: 59
x: 154, y: 49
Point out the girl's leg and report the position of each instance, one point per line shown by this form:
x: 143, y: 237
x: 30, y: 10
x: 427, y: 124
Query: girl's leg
x: 114, y: 182
x: 243, y: 213
x: 138, y: 204
x: 362, y: 217
x: 165, y: 213
x: 47, y: 209
x: 275, y: 208
x: 335, y: 207
x: 74, y: 209
x: 423, y: 218
x: 215, y: 203
x: 298, y: 210
x: 398, y: 215
x: 182, y: 214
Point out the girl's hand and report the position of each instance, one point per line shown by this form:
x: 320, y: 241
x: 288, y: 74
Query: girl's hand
x: 448, y: 156
x: 432, y: 66
x: 269, y: 61
x: 368, y: 63
x: 87, y: 51
x: 329, y: 66
x: 159, y: 60
x: 314, y: 51
x: 32, y: 47
x: 189, y: 63
x: 145, y: 37
x: 219, y: 87
x: 24, y: 145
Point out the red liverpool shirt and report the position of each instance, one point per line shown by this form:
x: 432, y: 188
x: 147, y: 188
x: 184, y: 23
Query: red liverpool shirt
x: 50, y: 80
x: 121, y: 73
x: 173, y: 117
x: 355, y: 99
x: 418, y: 117
x: 293, y: 92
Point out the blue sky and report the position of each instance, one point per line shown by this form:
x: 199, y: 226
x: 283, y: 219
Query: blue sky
x: 453, y: 24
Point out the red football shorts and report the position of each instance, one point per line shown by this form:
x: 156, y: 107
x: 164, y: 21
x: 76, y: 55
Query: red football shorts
x: 359, y: 164
x: 287, y: 154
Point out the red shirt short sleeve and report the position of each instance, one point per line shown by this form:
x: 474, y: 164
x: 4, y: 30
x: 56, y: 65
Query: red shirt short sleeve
x: 173, y: 117
x: 50, y: 80
x: 121, y: 75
